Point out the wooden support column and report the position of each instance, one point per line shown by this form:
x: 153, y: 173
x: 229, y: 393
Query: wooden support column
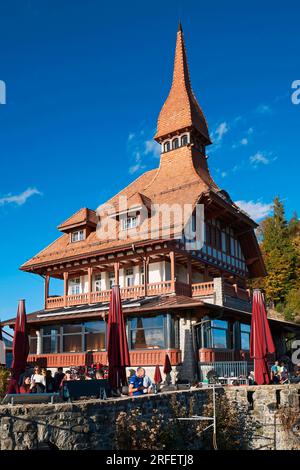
x: 189, y: 272
x: 146, y: 273
x: 206, y: 275
x: 172, y: 260
x: 46, y: 288
x: 117, y: 272
x: 90, y: 283
x: 66, y: 278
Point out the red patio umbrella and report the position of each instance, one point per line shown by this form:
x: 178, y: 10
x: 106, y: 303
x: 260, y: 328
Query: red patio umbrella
x: 157, y: 375
x: 117, y: 346
x: 167, y: 365
x: 20, y: 342
x: 261, y: 342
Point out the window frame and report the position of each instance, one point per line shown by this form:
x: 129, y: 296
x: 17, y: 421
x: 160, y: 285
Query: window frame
x: 245, y: 332
x: 126, y: 225
x: 72, y: 284
x: 81, y: 236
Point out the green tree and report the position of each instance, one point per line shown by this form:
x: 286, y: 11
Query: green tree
x: 279, y: 254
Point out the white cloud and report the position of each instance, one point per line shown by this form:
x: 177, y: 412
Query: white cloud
x: 152, y: 147
x: 243, y: 142
x: 221, y: 130
x: 131, y: 136
x: 257, y: 210
x: 138, y: 164
x: 264, y: 109
x: 259, y: 157
x: 19, y: 199
x: 224, y: 174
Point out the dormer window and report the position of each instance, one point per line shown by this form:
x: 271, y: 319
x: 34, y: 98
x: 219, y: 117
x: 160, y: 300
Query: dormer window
x: 129, y: 222
x: 175, y: 143
x: 77, y: 236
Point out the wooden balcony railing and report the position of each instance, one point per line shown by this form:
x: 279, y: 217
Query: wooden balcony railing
x: 145, y: 357
x: 203, y: 289
x: 200, y: 289
x: 132, y: 292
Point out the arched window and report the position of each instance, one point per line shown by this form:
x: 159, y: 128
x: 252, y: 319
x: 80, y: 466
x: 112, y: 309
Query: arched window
x: 175, y: 143
x: 167, y: 146
x: 184, y: 140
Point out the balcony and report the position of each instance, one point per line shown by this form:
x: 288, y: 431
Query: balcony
x: 216, y: 292
x: 132, y: 292
x: 147, y: 357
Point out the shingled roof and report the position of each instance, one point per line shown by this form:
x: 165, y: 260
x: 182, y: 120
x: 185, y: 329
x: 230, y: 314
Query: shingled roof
x: 181, y: 109
x: 83, y: 217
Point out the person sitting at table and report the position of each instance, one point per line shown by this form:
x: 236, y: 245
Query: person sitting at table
x: 283, y: 372
x: 66, y: 378
x: 38, y: 381
x: 50, y: 384
x: 12, y: 385
x: 251, y: 378
x: 275, y: 373
x: 147, y: 383
x: 26, y: 386
x: 136, y: 383
x: 58, y: 376
x: 99, y: 374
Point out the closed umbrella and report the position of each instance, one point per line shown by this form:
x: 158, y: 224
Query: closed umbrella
x: 261, y: 342
x: 20, y: 342
x: 157, y: 375
x: 2, y: 349
x: 117, y: 350
x: 167, y: 365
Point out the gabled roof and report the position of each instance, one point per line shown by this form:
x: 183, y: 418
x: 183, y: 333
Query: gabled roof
x: 181, y: 109
x: 83, y: 217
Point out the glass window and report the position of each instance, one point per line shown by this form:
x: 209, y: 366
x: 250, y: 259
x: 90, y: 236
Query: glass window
x: 147, y: 333
x: 129, y: 277
x: 167, y: 146
x: 72, y: 328
x: 77, y: 236
x: 129, y: 222
x: 111, y: 279
x: 245, y: 336
x: 32, y: 341
x: 175, y: 143
x: 219, y: 334
x: 72, y: 337
x: 184, y: 140
x: 142, y: 275
x: 51, y: 339
x: 72, y: 343
x: 95, y: 333
x: 74, y: 286
x: 98, y: 282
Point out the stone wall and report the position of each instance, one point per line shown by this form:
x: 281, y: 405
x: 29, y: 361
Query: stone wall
x: 270, y: 413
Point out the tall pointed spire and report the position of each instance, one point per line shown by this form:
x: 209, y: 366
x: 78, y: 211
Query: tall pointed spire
x: 181, y: 110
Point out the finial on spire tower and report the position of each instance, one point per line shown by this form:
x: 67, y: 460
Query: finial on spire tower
x: 180, y: 26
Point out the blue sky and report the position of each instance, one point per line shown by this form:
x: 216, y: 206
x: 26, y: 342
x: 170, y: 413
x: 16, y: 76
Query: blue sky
x: 85, y: 81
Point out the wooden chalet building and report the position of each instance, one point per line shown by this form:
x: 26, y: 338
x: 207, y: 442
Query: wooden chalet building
x: 192, y: 304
